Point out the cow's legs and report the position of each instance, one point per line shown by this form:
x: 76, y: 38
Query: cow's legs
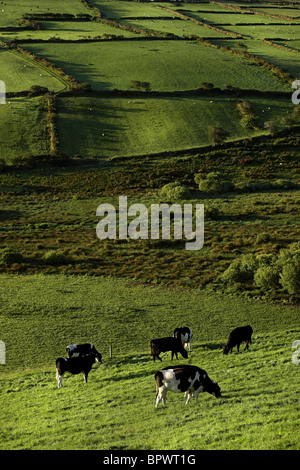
x: 59, y: 380
x: 156, y: 356
x: 246, y: 345
x: 161, y: 396
x: 188, y: 393
x: 85, y: 377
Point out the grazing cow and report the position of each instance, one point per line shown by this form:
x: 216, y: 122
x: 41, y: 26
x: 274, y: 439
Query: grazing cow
x: 76, y: 350
x: 167, y: 344
x: 236, y: 337
x: 186, y: 379
x: 185, y: 335
x: 74, y: 365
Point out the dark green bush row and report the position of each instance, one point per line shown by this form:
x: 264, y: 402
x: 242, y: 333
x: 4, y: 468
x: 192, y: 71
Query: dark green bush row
x: 267, y: 271
x: 9, y: 256
x: 217, y: 183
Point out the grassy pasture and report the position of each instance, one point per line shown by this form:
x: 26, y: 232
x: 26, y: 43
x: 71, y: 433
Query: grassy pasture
x: 11, y: 12
x: 108, y: 127
x: 288, y: 31
x: 21, y: 73
x: 175, y: 65
x: 23, y: 128
x: 67, y: 30
x: 294, y: 43
x: 232, y: 18
x: 280, y: 57
x: 291, y: 12
x: 179, y: 27
x: 141, y: 125
x: 126, y: 293
x: 118, y: 9
x: 257, y: 411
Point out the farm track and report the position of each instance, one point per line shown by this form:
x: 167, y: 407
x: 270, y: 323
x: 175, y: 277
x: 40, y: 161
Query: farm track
x: 42, y: 67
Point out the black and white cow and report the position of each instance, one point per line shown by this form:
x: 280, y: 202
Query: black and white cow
x: 238, y: 336
x: 185, y: 335
x: 74, y: 365
x: 76, y: 350
x: 168, y: 343
x: 188, y: 379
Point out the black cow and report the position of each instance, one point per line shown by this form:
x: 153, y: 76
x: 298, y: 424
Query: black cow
x: 238, y: 336
x: 185, y: 335
x: 186, y: 379
x: 167, y: 344
x: 76, y: 350
x: 74, y: 365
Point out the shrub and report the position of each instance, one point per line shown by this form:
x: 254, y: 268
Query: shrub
x: 249, y: 122
x: 266, y: 259
x: 214, y: 182
x: 263, y: 237
x: 290, y: 275
x: 10, y: 256
x: 250, y: 264
x: 267, y: 277
x: 218, y: 135
x: 211, y: 212
x: 175, y: 191
x: 236, y: 272
x: 55, y: 258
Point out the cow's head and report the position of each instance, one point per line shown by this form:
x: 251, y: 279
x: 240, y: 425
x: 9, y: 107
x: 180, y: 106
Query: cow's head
x: 98, y: 357
x: 225, y: 350
x: 184, y: 353
x: 212, y: 387
x: 216, y: 391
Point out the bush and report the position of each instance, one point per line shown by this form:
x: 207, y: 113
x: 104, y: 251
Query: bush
x: 10, y: 256
x: 263, y: 237
x: 290, y: 275
x: 250, y: 264
x: 211, y: 212
x: 266, y: 259
x: 55, y: 258
x: 238, y: 271
x: 249, y: 122
x: 175, y: 191
x: 214, y: 182
x: 267, y: 277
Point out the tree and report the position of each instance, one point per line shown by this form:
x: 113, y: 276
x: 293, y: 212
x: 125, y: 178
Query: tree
x: 271, y: 126
x: 218, y: 135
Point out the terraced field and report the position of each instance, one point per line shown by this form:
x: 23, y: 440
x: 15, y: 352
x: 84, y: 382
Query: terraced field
x: 177, y: 49
x: 112, y: 98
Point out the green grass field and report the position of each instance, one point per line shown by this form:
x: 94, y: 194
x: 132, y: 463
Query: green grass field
x: 141, y: 125
x: 175, y: 65
x: 23, y: 128
x: 12, y: 11
x: 125, y: 114
x: 258, y: 410
x: 20, y: 73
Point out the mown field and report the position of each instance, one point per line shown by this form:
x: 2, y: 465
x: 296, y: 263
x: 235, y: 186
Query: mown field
x: 113, y: 98
x: 40, y: 315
